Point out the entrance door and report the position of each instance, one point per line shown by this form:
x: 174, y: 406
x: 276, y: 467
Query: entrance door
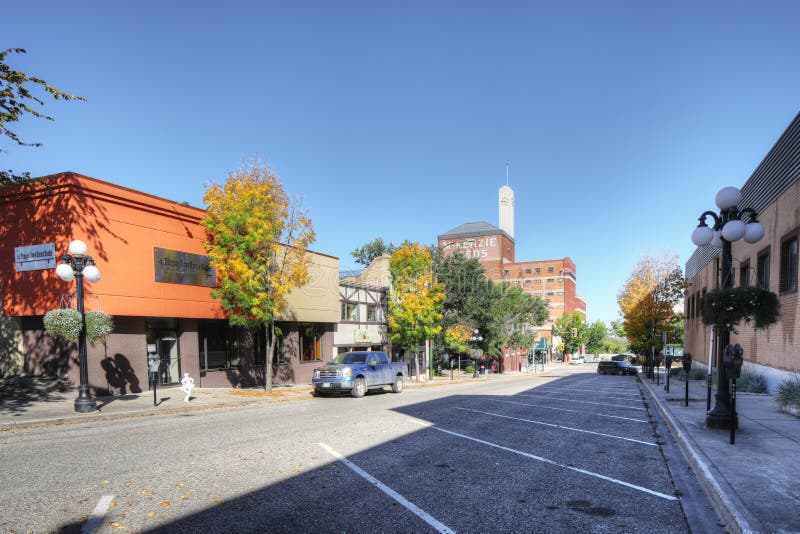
x: 167, y: 346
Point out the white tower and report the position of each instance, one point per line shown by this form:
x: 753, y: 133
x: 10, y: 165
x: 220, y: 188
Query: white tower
x: 507, y: 208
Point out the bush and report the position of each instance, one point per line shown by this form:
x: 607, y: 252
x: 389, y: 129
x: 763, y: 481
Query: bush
x: 65, y: 322
x: 698, y: 373
x: 98, y: 326
x: 789, y: 392
x: 470, y: 369
x: 751, y: 382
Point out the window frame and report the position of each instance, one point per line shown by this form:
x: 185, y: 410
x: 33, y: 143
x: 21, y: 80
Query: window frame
x: 788, y: 268
x: 344, y: 316
x: 744, y: 273
x: 763, y: 275
x: 317, y: 342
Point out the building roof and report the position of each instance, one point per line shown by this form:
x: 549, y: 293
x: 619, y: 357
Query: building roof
x: 473, y: 229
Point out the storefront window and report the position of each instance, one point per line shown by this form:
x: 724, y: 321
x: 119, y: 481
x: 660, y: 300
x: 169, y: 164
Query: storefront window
x: 220, y: 345
x: 310, y: 343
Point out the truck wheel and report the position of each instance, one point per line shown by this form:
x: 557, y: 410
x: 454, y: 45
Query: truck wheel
x: 359, y: 388
x: 397, y: 385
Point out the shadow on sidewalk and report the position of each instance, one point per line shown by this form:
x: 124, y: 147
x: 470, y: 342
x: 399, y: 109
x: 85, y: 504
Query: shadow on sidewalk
x: 19, y: 393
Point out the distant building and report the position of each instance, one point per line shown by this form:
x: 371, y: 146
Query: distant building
x: 773, y: 190
x: 494, y: 248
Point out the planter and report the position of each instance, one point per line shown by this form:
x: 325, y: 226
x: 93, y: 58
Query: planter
x: 98, y: 326
x: 728, y: 306
x: 65, y: 322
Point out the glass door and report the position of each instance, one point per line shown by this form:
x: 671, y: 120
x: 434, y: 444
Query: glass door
x: 167, y: 346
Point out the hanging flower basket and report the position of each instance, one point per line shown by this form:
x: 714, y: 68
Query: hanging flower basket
x: 728, y: 306
x: 64, y: 322
x: 99, y: 326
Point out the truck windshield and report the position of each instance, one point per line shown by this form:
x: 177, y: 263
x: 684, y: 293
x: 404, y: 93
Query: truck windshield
x: 350, y: 358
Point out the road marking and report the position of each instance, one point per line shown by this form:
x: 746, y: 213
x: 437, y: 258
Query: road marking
x: 575, y: 411
x: 594, y: 390
x: 419, y: 512
x: 583, y: 402
x: 560, y: 426
x: 97, y: 515
x: 551, y: 462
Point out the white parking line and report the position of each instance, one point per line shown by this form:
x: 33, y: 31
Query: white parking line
x: 551, y: 462
x: 574, y: 411
x: 593, y: 390
x: 419, y: 512
x: 561, y: 427
x: 583, y: 402
x: 97, y: 515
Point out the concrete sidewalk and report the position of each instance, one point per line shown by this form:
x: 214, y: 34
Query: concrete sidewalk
x: 755, y: 483
x: 31, y: 404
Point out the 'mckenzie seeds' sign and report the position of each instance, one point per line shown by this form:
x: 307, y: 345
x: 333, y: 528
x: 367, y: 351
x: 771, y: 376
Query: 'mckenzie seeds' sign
x: 175, y: 267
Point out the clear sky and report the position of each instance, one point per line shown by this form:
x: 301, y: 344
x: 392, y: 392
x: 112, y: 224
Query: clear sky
x: 620, y: 119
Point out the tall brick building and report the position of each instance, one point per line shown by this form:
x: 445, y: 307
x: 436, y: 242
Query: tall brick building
x: 493, y: 247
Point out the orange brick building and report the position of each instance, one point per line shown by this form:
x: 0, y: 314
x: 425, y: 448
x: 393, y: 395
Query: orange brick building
x: 494, y: 248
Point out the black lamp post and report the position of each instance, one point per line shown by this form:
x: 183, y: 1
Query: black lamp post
x: 728, y: 227
x: 475, y: 339
x: 78, y: 265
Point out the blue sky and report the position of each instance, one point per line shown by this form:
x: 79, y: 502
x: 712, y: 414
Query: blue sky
x: 620, y: 119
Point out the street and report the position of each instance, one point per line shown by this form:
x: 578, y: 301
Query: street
x: 572, y: 451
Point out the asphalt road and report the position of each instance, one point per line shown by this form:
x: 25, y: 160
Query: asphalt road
x: 573, y: 452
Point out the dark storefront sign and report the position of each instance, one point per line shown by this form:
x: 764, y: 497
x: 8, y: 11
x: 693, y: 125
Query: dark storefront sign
x: 174, y: 267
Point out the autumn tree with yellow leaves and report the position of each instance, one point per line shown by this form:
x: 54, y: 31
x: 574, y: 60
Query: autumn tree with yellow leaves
x: 648, y: 298
x: 415, y: 307
x: 257, y: 239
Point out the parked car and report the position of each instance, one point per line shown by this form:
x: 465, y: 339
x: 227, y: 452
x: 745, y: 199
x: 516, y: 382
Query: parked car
x: 577, y: 359
x: 461, y: 363
x: 358, y: 372
x: 630, y: 358
x: 616, y: 368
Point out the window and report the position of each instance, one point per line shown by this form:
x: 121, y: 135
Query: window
x: 505, y: 272
x: 528, y: 282
x: 527, y: 270
x: 744, y: 274
x: 213, y: 344
x: 717, y: 273
x: 372, y: 313
x: 788, y: 281
x: 762, y: 269
x: 549, y: 269
x: 537, y: 270
x: 549, y: 280
x: 310, y: 343
x: 700, y: 303
x: 349, y: 311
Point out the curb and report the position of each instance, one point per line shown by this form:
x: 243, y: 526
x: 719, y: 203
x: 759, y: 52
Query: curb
x: 730, y: 507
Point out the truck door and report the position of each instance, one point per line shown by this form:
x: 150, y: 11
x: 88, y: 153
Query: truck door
x: 386, y: 369
x: 373, y: 370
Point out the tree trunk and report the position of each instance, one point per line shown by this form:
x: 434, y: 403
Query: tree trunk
x: 270, y: 328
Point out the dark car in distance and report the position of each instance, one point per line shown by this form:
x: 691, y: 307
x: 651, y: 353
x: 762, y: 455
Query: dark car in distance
x: 616, y: 368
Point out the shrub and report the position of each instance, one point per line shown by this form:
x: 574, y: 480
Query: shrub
x: 698, y: 373
x: 65, y: 322
x: 98, y: 326
x: 470, y: 369
x: 751, y: 382
x: 789, y: 392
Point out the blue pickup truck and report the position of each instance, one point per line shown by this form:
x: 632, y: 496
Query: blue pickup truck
x: 357, y: 372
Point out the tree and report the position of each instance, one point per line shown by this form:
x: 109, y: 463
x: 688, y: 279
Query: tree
x: 416, y: 302
x: 257, y: 239
x: 648, y: 300
x: 571, y: 328
x: 596, y: 337
x: 374, y: 249
x: 17, y: 101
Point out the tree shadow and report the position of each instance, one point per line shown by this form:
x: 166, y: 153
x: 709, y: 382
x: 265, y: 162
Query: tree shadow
x: 19, y: 393
x: 119, y: 375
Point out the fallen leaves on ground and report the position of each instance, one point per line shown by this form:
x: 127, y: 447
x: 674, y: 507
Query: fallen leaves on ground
x: 256, y: 393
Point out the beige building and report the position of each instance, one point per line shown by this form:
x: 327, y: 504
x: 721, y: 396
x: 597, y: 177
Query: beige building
x: 773, y: 191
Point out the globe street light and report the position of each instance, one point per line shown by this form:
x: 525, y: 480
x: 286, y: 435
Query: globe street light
x: 78, y: 265
x: 728, y: 227
x: 475, y: 339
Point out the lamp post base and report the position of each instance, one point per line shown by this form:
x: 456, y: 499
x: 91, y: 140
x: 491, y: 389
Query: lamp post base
x: 84, y: 402
x: 720, y: 419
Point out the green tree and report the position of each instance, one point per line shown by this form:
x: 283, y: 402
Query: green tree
x: 571, y: 328
x: 596, y: 337
x: 17, y: 101
x: 374, y: 249
x: 257, y: 239
x: 416, y: 302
